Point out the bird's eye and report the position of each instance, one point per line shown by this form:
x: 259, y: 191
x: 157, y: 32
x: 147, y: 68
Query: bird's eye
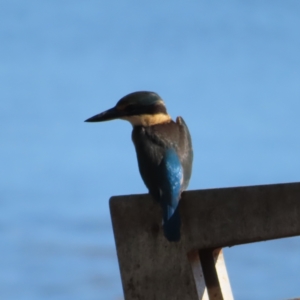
x: 130, y: 107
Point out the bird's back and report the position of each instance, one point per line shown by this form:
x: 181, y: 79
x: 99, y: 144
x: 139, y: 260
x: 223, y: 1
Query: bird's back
x: 165, y: 156
x: 151, y: 144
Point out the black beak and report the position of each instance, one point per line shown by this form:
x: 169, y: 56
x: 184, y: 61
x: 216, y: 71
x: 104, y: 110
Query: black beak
x: 107, y: 115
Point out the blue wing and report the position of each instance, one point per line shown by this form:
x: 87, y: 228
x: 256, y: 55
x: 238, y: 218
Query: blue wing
x: 170, y: 190
x: 165, y: 156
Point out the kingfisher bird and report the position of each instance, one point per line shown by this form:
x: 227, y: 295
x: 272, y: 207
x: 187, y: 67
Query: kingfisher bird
x: 163, y: 148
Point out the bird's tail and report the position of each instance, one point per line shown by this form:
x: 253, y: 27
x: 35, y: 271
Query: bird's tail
x: 172, y: 226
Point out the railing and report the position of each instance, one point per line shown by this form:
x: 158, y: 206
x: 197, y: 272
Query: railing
x: 194, y: 268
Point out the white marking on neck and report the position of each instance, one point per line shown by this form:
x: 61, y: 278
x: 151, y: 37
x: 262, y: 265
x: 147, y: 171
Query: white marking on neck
x: 148, y: 120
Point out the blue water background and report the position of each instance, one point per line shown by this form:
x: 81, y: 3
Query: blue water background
x: 230, y: 68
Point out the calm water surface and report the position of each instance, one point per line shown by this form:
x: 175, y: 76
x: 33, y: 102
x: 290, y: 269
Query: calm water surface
x: 231, y: 69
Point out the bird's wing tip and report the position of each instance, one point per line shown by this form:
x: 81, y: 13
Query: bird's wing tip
x: 179, y: 120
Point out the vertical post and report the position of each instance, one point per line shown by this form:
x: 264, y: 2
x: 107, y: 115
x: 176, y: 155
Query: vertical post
x: 194, y: 260
x: 222, y: 274
x: 210, y: 274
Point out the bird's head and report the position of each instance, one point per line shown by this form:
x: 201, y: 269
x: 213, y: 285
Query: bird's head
x: 139, y: 108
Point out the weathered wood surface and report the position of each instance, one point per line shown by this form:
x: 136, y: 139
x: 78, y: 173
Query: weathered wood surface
x: 152, y: 268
